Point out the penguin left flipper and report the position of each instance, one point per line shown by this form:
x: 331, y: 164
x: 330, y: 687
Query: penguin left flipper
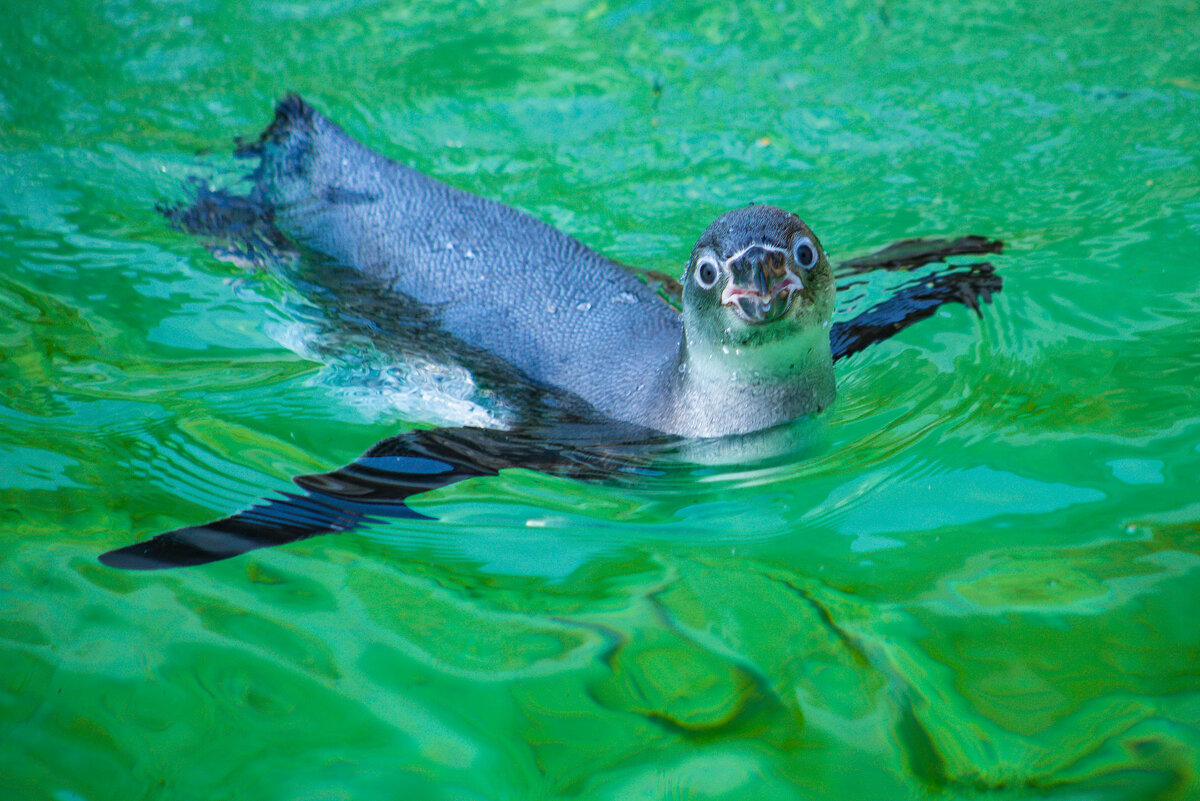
x: 909, y: 254
x: 915, y: 301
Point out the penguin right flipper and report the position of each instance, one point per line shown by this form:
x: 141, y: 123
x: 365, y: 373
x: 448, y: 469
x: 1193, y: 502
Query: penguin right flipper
x: 377, y: 485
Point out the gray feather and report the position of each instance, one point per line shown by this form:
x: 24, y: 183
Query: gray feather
x: 496, y: 278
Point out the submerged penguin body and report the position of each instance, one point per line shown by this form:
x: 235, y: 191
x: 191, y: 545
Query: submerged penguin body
x: 497, y: 279
x: 507, y: 284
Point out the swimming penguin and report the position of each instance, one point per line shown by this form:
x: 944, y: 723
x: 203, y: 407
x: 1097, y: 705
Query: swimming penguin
x: 614, y: 365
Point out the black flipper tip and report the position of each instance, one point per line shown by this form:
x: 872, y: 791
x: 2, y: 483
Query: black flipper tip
x: 185, y: 547
x: 271, y: 522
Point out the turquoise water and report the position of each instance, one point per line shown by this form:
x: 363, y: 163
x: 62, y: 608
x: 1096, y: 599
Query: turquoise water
x: 983, y: 583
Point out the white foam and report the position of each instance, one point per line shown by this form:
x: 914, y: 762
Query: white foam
x: 381, y: 388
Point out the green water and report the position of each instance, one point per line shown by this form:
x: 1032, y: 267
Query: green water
x: 984, y: 584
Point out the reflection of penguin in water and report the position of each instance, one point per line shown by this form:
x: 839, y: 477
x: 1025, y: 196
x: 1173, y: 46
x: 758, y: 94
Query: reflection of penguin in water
x: 615, y: 364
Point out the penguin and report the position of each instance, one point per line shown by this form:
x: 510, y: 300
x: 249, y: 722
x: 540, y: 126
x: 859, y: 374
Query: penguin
x: 617, y: 371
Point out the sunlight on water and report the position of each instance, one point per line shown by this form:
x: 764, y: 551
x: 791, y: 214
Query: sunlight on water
x: 974, y: 576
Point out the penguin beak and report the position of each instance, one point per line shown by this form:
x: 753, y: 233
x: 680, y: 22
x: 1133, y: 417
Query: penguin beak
x: 762, y: 288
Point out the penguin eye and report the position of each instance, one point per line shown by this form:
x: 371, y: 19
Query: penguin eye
x: 805, y: 253
x: 707, y: 274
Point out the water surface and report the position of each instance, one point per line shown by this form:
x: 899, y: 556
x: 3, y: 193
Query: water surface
x: 983, y: 583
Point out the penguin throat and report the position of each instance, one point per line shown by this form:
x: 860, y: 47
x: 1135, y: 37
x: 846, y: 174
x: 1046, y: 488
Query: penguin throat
x: 730, y: 390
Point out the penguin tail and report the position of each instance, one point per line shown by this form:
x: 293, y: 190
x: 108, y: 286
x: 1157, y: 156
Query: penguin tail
x: 292, y: 115
x: 240, y: 228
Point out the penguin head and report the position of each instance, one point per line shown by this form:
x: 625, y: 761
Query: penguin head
x: 758, y: 275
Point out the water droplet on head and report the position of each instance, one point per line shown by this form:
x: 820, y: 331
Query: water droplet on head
x: 585, y: 306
